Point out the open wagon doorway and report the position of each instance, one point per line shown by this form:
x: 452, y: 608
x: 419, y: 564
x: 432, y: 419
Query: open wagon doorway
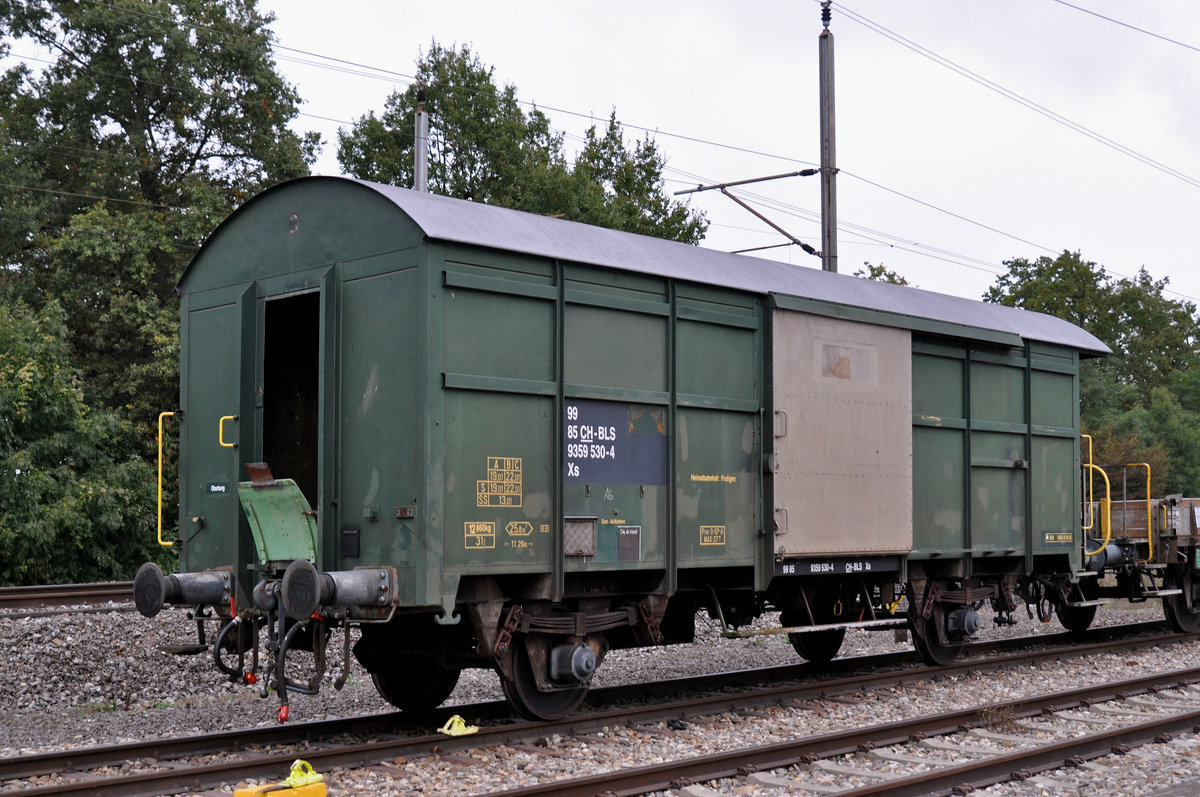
x: 291, y: 362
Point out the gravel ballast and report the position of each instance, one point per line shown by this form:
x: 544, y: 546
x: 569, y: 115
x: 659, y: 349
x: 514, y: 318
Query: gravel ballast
x: 73, y: 679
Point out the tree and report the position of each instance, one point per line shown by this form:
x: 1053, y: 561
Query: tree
x: 154, y: 118
x: 1155, y: 335
x: 1142, y: 403
x: 1068, y: 287
x: 72, y: 483
x: 880, y: 273
x: 624, y: 188
x: 485, y: 148
x: 1151, y: 335
x: 1162, y: 434
x: 480, y: 139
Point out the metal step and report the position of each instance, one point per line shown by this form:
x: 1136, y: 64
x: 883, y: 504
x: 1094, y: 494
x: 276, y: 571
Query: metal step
x: 1160, y: 593
x: 1097, y: 602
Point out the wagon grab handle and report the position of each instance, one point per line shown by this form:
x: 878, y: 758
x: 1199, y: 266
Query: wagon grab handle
x: 1106, y: 504
x: 221, y: 431
x: 161, y: 417
x: 1149, y: 528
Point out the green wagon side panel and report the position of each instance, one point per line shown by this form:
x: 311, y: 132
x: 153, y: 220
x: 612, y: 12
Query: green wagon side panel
x: 998, y: 478
x: 997, y: 509
x: 615, y: 349
x: 719, y: 361
x: 1056, y: 452
x: 998, y: 458
x: 718, y: 449
x: 498, y: 482
x: 497, y: 403
x: 937, y: 387
x: 939, y: 468
x: 500, y: 336
x: 938, y: 480
x: 380, y: 422
x: 1053, y: 400
x: 1055, y: 497
x: 997, y: 449
x: 997, y: 393
x: 718, y: 491
x: 210, y: 382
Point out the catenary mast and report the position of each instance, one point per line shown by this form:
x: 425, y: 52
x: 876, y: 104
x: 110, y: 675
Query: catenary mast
x: 828, y: 169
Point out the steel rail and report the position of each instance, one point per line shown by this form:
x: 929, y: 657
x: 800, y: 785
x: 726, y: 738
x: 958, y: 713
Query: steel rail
x: 35, y: 764
x: 963, y: 778
x: 65, y: 594
x: 735, y: 763
x: 880, y: 666
x: 258, y: 765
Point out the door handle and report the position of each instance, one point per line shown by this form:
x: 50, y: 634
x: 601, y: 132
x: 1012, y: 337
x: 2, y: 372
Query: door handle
x: 221, y: 431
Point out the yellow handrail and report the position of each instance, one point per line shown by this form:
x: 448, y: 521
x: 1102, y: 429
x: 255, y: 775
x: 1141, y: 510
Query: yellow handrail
x: 1149, y: 536
x: 1091, y: 514
x: 1106, y: 516
x: 221, y: 431
x: 161, y: 416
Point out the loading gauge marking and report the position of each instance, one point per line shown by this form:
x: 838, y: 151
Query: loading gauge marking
x: 503, y: 485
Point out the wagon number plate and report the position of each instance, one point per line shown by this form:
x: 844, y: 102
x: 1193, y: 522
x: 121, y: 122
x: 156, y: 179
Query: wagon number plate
x: 824, y: 567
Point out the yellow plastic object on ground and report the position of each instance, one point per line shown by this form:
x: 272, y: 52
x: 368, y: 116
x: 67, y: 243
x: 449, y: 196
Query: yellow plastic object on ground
x: 302, y: 781
x: 457, y: 726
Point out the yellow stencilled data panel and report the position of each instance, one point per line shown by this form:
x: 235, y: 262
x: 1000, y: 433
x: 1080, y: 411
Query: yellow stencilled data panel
x: 503, y: 485
x: 712, y: 535
x: 479, y: 535
x: 519, y: 528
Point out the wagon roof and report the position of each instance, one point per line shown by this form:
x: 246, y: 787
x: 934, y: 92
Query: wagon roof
x: 459, y: 221
x: 473, y: 223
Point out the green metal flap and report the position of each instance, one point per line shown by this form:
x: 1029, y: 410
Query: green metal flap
x: 284, y: 525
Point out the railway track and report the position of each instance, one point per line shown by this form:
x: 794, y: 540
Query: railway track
x: 938, y: 742
x: 44, y: 597
x: 171, y: 765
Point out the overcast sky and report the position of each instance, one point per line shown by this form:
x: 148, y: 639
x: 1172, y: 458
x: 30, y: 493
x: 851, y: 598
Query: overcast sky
x: 942, y: 178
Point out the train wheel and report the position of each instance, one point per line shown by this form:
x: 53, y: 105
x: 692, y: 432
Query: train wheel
x: 819, y: 647
x: 1182, y: 619
x: 1075, y: 618
x: 932, y: 646
x: 415, y: 683
x: 522, y: 691
x: 1078, y: 618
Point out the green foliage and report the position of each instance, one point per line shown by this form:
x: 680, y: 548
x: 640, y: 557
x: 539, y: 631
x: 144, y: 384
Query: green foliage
x: 483, y: 147
x: 155, y: 119
x: 1142, y: 403
x: 880, y: 273
x: 1151, y: 335
x: 480, y: 139
x: 622, y: 188
x: 73, y: 487
x: 1068, y: 287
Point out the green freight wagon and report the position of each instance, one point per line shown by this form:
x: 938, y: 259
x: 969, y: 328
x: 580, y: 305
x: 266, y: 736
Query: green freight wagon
x: 488, y: 438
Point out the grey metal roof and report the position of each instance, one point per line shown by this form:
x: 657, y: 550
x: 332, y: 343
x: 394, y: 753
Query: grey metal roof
x: 459, y: 221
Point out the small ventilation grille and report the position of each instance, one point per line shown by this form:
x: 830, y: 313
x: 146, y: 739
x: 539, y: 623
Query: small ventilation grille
x: 579, y: 537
